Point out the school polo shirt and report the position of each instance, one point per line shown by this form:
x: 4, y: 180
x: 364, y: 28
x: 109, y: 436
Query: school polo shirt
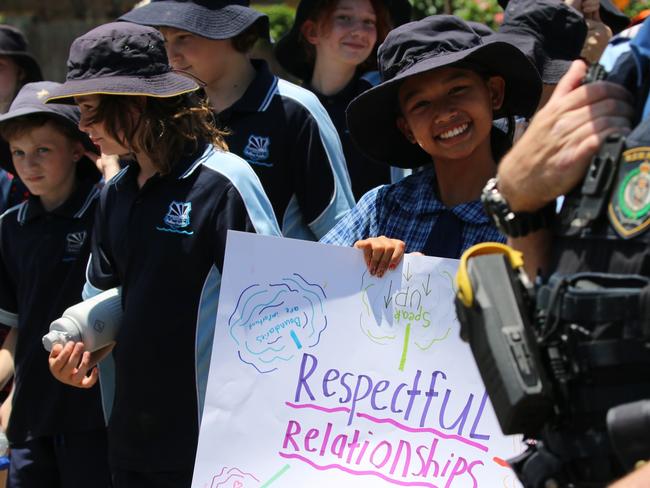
x: 365, y: 173
x: 285, y: 134
x: 43, y: 258
x: 164, y: 244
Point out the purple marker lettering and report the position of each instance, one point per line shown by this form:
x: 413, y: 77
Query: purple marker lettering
x: 311, y: 434
x: 430, y: 394
x: 302, y: 378
x: 394, y: 399
x: 347, y: 388
x: 477, y: 419
x: 412, y: 394
x: 327, y: 378
x: 462, y: 418
x: 379, y: 387
x: 293, y: 428
x: 357, y: 396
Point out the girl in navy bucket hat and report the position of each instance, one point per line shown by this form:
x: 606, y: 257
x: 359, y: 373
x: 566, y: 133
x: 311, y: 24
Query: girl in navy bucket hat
x: 332, y: 48
x: 160, y: 234
x: 281, y: 129
x: 443, y: 85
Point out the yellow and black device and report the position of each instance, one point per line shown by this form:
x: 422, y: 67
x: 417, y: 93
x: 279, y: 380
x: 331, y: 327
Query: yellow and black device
x: 495, y: 305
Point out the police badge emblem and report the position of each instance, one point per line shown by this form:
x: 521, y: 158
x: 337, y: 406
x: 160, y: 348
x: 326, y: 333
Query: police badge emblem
x: 629, y: 206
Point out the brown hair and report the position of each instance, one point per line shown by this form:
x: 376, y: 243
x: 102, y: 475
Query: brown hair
x: 322, y: 13
x: 18, y: 126
x: 245, y: 40
x: 164, y: 129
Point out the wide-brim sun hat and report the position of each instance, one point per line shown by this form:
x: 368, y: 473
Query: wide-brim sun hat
x: 549, y: 32
x: 120, y: 58
x: 289, y: 50
x: 14, y: 45
x: 217, y: 20
x: 609, y: 14
x: 418, y: 47
x: 29, y: 101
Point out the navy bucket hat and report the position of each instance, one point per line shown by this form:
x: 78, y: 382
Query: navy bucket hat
x: 14, y: 45
x: 549, y: 32
x: 609, y: 14
x: 213, y: 19
x: 289, y: 52
x: 120, y: 58
x: 431, y: 43
x: 30, y: 101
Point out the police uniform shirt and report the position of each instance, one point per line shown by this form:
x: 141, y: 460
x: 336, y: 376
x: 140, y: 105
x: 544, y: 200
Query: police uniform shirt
x: 43, y: 257
x: 365, y: 173
x: 285, y: 134
x: 164, y: 244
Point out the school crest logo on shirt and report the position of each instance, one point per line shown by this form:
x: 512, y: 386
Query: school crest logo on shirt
x: 177, y: 218
x: 74, y: 241
x: 629, y: 207
x: 257, y: 150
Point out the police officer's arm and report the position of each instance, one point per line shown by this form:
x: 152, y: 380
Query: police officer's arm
x: 553, y: 154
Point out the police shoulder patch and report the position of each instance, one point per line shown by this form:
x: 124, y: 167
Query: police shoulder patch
x: 629, y: 206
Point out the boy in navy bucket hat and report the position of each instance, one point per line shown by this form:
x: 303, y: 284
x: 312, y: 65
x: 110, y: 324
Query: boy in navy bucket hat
x: 160, y: 235
x: 282, y: 130
x: 443, y: 84
x: 44, y: 248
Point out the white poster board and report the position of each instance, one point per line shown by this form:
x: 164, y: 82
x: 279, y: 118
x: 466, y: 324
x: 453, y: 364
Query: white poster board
x: 324, y: 376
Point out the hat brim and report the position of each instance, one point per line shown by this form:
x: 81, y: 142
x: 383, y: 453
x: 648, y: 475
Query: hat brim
x: 27, y: 63
x: 160, y: 86
x: 216, y: 24
x: 613, y: 17
x: 371, y: 117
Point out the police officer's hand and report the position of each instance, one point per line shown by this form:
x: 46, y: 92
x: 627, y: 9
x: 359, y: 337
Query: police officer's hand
x: 553, y: 154
x: 70, y: 364
x: 381, y: 253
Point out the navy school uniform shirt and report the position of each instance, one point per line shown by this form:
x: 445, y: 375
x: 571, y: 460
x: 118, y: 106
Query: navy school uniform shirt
x: 43, y: 258
x: 365, y: 173
x: 164, y: 244
x: 286, y: 135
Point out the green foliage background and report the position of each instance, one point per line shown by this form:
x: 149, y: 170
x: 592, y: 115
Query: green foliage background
x: 485, y: 11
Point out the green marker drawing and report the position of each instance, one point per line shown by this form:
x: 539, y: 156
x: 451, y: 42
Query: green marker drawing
x: 433, y: 341
x: 276, y: 476
x: 407, y: 334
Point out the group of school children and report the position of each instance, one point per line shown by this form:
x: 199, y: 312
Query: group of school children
x: 211, y: 140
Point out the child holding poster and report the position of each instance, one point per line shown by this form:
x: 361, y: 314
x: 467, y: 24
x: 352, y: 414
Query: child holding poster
x: 443, y: 84
x: 160, y: 234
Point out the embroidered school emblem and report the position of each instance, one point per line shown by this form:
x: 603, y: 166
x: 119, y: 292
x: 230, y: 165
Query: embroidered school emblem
x: 629, y: 207
x: 74, y: 242
x: 178, y: 218
x: 257, y: 150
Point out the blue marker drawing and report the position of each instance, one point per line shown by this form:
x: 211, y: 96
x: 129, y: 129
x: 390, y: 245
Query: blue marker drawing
x: 271, y: 322
x: 295, y: 339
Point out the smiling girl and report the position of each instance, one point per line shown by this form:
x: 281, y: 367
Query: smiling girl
x: 332, y: 49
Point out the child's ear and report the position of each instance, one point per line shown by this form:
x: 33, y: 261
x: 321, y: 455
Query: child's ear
x: 78, y: 152
x: 497, y: 87
x: 404, y: 128
x: 309, y: 30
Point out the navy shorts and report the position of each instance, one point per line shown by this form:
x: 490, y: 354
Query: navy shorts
x: 162, y: 479
x: 78, y: 460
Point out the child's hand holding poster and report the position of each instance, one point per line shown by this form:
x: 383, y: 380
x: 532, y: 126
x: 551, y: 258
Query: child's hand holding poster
x: 324, y: 376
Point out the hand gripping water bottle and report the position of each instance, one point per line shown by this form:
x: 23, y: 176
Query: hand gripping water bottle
x: 94, y: 322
